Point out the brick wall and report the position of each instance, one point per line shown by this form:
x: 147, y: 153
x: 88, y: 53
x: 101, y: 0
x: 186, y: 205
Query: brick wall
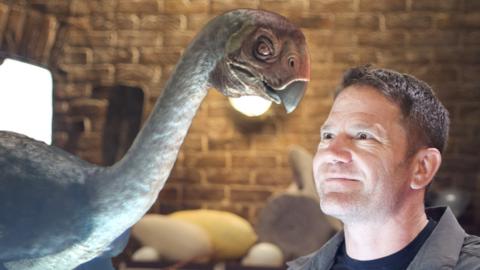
x: 103, y: 43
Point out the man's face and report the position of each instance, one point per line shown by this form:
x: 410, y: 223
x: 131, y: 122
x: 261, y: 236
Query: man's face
x: 359, y: 168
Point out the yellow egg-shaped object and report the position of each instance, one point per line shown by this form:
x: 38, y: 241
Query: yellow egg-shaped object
x: 231, y: 235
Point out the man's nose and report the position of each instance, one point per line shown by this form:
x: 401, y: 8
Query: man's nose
x: 338, y: 150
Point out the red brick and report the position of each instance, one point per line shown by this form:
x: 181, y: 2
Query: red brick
x: 192, y: 143
x: 401, y: 56
x: 278, y: 142
x: 196, y: 22
x: 77, y: 56
x: 469, y: 148
x: 436, y: 74
x: 452, y: 55
x: 134, y: 72
x: 463, y: 21
x: 183, y: 175
x: 61, y: 107
x: 113, y: 56
x: 88, y: 107
x: 453, y: 92
x: 89, y: 141
x: 470, y: 74
x: 178, y: 38
x: 14, y: 30
x: 60, y: 139
x: 105, y: 22
x: 101, y: 7
x: 381, y: 39
x: 91, y: 38
x: 408, y: 21
x: 4, y: 10
x: 471, y: 5
x: 228, y: 176
x: 237, y: 208
x: 218, y: 126
x: 160, y: 56
x: 314, y: 108
x: 435, y: 5
x: 314, y: 21
x: 330, y: 72
x: 79, y: 7
x: 436, y: 39
x: 161, y: 22
x: 460, y: 164
x: 357, y: 21
x: 249, y: 195
x: 138, y: 6
x: 337, y: 6
x: 310, y: 126
x: 139, y: 38
x: 229, y: 143
x: 354, y: 57
x: 169, y: 193
x: 469, y: 111
x: 92, y: 156
x: 284, y: 7
x: 126, y: 22
x: 186, y: 6
x: 203, y: 193
x: 220, y: 6
x: 320, y: 39
x: 252, y: 161
x: 471, y: 37
x: 97, y: 73
x: 83, y: 23
x: 210, y: 160
x: 51, y: 7
x: 386, y: 5
x: 219, y: 109
x: 72, y: 90
x: 280, y: 178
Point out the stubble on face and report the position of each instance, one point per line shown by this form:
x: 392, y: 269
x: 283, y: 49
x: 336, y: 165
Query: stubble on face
x: 377, y: 169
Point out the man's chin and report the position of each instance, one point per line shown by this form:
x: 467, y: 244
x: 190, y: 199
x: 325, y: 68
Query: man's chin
x: 339, y: 205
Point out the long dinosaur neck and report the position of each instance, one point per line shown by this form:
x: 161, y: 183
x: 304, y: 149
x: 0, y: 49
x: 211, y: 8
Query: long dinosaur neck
x: 125, y: 191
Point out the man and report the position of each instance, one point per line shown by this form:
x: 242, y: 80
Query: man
x: 380, y: 148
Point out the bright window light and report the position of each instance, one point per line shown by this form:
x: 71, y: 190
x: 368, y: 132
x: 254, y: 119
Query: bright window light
x: 26, y: 100
x: 250, y: 105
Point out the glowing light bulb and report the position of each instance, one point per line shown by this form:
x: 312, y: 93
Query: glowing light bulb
x: 250, y: 105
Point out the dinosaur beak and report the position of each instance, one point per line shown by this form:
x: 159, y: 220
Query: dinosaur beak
x: 292, y: 95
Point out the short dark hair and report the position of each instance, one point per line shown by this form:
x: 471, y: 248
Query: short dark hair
x: 426, y: 119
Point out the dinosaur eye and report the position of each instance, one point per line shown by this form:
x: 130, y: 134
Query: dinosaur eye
x: 263, y: 48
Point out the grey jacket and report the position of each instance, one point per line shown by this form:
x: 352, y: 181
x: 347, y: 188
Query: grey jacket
x: 447, y: 247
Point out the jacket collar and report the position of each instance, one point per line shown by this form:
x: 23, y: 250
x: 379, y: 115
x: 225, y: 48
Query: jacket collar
x: 441, y: 249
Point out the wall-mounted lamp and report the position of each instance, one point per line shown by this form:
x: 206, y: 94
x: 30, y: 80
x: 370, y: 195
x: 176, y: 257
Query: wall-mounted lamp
x: 250, y: 105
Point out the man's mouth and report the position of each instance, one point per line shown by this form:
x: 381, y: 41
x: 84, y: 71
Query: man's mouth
x: 341, y: 179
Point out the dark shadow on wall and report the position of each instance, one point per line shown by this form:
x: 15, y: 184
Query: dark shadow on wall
x: 123, y: 121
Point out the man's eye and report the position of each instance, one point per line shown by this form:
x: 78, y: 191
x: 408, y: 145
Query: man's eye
x: 327, y: 136
x: 363, y: 136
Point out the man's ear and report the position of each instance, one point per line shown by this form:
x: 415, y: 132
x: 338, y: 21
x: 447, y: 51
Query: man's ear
x: 425, y: 165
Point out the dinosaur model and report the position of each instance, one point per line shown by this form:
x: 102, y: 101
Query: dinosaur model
x: 60, y: 212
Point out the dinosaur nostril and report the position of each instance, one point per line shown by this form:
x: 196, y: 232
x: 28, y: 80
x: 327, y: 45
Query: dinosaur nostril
x: 291, y: 62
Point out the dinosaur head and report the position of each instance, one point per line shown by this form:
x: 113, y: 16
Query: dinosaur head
x: 266, y: 57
